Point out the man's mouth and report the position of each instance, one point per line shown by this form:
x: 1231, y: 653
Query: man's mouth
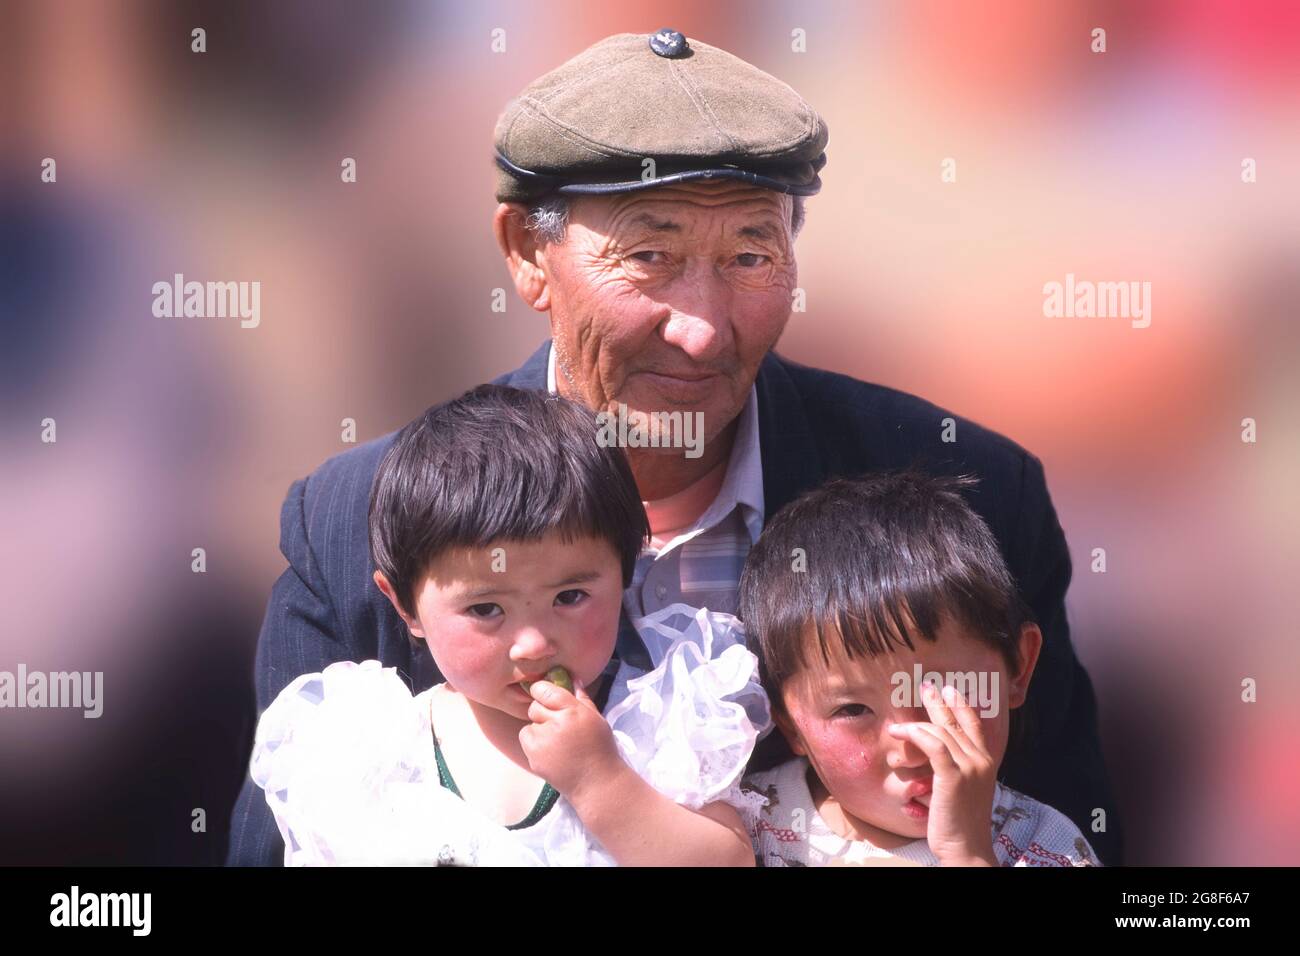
x: 690, y: 390
x: 679, y: 381
x: 681, y: 376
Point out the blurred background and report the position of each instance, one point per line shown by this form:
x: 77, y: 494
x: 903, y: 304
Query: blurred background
x: 376, y: 303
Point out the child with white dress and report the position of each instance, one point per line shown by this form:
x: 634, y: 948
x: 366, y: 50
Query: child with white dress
x: 504, y: 535
x: 894, y: 649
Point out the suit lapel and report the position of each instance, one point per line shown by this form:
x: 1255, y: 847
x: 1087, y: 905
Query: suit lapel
x: 792, y: 462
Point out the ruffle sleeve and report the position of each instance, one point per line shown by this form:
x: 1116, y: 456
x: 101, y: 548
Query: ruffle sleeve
x: 688, y: 727
x: 344, y: 757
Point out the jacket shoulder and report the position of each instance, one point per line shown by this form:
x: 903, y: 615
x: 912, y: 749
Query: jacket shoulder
x: 859, y: 427
x: 337, y: 492
x: 902, y: 421
x: 325, y: 527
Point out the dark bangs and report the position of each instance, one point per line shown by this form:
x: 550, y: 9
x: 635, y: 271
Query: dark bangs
x: 887, y: 556
x: 499, y: 464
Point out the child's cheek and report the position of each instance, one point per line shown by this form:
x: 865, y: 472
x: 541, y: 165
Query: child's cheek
x: 596, y: 638
x: 461, y: 652
x: 839, y: 753
x: 996, y: 732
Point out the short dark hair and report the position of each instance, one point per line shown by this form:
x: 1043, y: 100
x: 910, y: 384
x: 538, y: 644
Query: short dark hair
x: 499, y: 464
x: 882, y: 550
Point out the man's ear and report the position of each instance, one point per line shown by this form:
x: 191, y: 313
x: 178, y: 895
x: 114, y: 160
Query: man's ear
x: 524, y: 256
x: 1031, y: 645
x: 788, y: 730
x: 412, y: 623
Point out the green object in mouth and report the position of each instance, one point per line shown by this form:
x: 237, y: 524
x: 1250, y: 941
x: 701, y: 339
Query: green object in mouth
x: 557, y: 676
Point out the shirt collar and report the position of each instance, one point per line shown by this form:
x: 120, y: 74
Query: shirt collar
x: 743, y: 485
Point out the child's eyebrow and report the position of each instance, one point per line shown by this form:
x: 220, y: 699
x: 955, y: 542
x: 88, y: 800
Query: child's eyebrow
x: 578, y: 577
x: 838, y: 686
x: 484, y: 592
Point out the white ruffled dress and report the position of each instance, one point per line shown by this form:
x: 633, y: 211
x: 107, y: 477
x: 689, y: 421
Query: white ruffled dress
x: 346, y: 756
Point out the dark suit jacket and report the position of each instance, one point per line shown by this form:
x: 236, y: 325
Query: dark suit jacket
x: 812, y: 425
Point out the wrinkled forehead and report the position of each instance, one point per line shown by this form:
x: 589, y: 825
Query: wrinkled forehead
x: 688, y: 209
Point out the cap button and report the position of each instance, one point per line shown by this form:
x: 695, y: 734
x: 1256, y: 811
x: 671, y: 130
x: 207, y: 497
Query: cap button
x: 668, y: 43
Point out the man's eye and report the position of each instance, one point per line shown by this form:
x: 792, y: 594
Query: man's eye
x: 571, y: 597
x: 751, y: 259
x: 849, y: 711
x: 483, y: 611
x: 646, y: 255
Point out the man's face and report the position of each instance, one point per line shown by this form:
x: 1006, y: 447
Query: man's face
x: 668, y: 299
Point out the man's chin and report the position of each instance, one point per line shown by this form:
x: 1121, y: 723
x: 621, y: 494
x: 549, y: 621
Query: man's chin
x: 709, y: 417
x: 666, y: 392
x: 653, y: 391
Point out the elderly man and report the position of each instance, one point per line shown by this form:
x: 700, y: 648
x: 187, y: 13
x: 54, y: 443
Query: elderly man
x: 650, y: 193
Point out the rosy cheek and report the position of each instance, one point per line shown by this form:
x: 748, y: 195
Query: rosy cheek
x: 462, y: 650
x: 598, y: 634
x: 839, y: 749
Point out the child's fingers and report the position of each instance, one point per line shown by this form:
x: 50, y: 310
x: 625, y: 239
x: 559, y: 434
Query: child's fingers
x: 945, y: 719
x: 966, y: 716
x: 549, y: 695
x: 538, y: 713
x: 956, y: 751
x: 929, y: 739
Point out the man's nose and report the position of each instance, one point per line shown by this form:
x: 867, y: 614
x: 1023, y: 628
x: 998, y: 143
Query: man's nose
x: 701, y: 321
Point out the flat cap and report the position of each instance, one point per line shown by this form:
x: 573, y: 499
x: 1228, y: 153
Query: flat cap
x: 699, y: 112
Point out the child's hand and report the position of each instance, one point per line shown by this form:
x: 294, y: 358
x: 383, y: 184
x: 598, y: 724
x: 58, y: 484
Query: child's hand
x: 961, y: 805
x: 568, y: 744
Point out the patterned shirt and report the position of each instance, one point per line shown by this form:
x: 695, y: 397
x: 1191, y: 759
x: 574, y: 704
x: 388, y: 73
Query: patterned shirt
x: 788, y: 830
